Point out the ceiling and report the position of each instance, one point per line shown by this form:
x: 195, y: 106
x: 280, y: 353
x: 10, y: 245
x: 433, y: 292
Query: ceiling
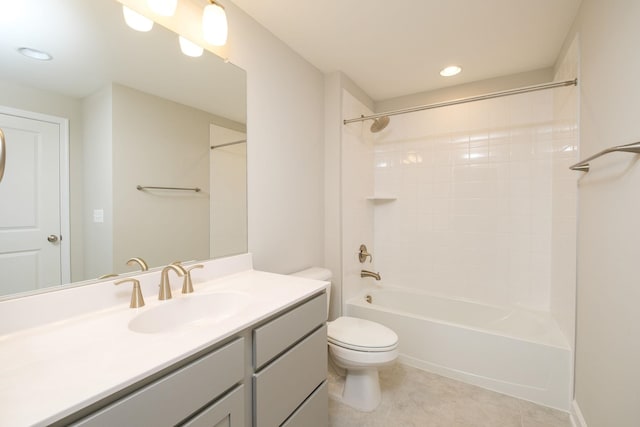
x: 396, y: 48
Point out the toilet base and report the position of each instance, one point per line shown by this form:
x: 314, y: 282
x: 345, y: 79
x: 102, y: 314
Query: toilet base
x: 362, y: 389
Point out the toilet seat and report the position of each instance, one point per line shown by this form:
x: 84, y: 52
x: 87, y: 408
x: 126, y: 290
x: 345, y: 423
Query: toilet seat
x: 361, y: 335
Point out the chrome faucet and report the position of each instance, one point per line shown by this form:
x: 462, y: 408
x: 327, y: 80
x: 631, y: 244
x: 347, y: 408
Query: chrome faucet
x: 367, y: 273
x: 165, y: 285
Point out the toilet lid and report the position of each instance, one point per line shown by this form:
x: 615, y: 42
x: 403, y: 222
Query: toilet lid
x: 361, y: 334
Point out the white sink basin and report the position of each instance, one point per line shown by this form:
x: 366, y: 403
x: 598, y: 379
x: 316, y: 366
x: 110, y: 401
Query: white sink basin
x: 193, y: 309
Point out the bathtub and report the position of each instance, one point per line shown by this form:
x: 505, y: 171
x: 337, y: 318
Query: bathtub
x: 517, y: 352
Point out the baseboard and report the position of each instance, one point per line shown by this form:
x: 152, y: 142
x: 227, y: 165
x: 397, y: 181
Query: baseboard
x: 576, y: 416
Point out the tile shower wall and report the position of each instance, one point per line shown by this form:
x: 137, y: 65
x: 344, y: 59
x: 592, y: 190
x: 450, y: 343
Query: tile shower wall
x: 473, y: 211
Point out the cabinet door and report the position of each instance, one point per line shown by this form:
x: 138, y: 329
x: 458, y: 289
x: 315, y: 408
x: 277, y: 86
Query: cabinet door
x: 226, y: 412
x: 314, y: 412
x: 285, y: 383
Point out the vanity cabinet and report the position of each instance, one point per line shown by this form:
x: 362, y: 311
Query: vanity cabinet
x: 273, y: 373
x: 290, y: 357
x: 176, y: 396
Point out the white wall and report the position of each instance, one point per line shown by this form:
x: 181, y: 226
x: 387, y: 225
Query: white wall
x: 608, y: 332
x: 98, y: 187
x: 285, y: 126
x: 157, y: 142
x: 228, y: 200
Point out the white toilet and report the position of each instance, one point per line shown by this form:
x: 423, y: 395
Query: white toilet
x: 360, y: 347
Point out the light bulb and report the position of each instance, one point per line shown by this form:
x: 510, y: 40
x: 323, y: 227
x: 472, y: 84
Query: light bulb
x: 214, y: 24
x: 189, y: 48
x: 136, y: 21
x: 163, y: 7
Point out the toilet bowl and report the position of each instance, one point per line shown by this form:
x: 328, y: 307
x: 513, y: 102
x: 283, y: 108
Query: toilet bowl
x: 360, y: 347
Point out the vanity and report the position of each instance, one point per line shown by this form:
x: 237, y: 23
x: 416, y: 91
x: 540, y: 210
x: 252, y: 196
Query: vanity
x: 247, y: 348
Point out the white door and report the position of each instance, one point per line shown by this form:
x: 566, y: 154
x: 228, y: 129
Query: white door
x: 30, y: 228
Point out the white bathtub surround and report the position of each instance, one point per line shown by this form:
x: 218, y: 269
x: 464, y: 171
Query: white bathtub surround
x: 474, y: 211
x: 66, y: 350
x: 517, y: 352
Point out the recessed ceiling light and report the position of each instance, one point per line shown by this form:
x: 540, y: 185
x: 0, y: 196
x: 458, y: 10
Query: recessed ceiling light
x: 35, y: 54
x: 451, y: 70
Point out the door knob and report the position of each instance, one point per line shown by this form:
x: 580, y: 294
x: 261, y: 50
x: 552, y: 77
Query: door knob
x: 52, y: 238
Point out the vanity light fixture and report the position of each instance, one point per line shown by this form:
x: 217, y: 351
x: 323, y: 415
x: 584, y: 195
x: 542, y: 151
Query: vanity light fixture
x: 450, y: 71
x: 163, y: 7
x: 214, y: 24
x: 136, y: 21
x: 35, y: 54
x: 189, y: 48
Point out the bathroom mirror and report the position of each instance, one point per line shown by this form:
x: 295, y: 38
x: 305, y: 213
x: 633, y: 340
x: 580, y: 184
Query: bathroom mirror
x: 130, y: 110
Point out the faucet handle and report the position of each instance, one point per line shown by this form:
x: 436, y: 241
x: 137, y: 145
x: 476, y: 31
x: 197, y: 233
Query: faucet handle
x: 136, y: 260
x: 363, y: 254
x: 136, y: 296
x: 187, y: 284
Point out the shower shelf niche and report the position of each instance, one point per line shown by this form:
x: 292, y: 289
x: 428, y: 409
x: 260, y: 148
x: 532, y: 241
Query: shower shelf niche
x: 382, y: 198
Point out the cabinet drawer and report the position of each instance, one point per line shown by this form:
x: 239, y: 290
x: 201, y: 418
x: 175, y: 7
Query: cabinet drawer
x: 174, y: 397
x: 226, y: 412
x: 274, y: 337
x: 283, y: 385
x: 314, y: 412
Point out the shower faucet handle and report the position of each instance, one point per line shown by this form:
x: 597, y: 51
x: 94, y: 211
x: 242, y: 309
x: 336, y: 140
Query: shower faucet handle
x: 363, y: 254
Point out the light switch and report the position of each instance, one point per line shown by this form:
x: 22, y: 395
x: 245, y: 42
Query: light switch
x: 98, y: 215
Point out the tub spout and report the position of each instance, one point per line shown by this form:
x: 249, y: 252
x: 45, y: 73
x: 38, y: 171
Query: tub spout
x: 367, y: 273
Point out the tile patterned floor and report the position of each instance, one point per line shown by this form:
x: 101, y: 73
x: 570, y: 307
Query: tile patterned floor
x: 411, y: 397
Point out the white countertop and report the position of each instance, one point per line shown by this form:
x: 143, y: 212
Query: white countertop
x: 50, y: 371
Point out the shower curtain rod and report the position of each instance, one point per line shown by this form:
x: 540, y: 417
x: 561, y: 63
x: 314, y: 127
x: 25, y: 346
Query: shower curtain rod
x: 526, y: 89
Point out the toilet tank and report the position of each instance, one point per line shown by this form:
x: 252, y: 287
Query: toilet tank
x: 318, y: 273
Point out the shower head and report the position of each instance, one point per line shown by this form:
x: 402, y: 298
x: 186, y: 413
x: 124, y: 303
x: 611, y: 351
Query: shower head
x: 379, y: 124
